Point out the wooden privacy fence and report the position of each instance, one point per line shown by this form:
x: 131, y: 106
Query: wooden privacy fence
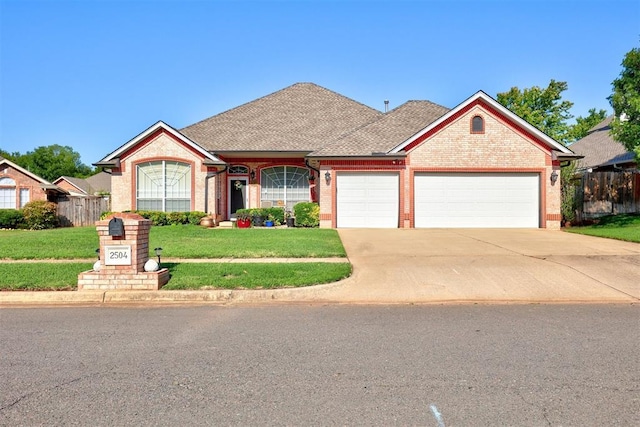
x: 81, y: 211
x: 606, y: 193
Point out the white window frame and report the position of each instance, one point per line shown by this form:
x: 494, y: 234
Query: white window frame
x: 285, y: 192
x: 163, y: 190
x: 8, y: 185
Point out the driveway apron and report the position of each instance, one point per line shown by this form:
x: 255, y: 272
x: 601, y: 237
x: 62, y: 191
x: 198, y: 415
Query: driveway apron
x: 431, y: 265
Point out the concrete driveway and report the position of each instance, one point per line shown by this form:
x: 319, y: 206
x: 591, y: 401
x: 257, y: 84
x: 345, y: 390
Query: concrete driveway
x: 412, y: 265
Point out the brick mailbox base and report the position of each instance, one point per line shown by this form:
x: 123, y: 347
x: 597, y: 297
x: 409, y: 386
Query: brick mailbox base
x: 124, y: 250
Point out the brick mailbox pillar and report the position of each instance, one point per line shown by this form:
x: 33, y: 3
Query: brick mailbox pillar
x: 124, y: 251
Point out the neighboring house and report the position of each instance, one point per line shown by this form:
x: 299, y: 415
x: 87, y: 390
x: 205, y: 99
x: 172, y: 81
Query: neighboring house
x: 18, y: 187
x: 95, y: 185
x: 601, y: 152
x: 418, y: 165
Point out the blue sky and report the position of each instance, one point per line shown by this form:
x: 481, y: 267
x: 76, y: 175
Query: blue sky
x: 93, y: 74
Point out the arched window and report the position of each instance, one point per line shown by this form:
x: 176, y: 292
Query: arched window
x: 163, y: 186
x: 7, y: 193
x: 284, y: 186
x: 477, y: 124
x: 238, y: 170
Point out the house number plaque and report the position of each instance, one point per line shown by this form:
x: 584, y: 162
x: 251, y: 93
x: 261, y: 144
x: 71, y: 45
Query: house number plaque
x: 117, y: 255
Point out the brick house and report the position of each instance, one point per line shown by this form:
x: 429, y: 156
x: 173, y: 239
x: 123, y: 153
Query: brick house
x: 18, y: 186
x: 98, y: 184
x: 418, y: 165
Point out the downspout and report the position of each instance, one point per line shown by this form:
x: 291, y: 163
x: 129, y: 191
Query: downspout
x: 206, y: 186
x: 306, y: 162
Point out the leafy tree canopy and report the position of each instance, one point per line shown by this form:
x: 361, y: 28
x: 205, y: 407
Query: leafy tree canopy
x: 625, y: 100
x: 9, y: 156
x: 542, y: 108
x: 583, y: 125
x: 53, y: 161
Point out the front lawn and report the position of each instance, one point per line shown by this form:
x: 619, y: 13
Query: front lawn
x: 64, y: 276
x: 184, y: 241
x: 621, y: 227
x: 180, y: 241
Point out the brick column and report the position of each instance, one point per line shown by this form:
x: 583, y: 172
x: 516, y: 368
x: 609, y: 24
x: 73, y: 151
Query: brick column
x: 122, y: 267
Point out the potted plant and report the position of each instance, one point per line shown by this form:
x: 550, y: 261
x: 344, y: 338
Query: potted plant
x: 270, y: 221
x: 243, y: 219
x: 208, y: 221
x: 258, y: 217
x: 291, y: 220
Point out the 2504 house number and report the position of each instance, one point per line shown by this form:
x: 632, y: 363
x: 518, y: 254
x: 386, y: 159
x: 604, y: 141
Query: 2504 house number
x: 117, y: 255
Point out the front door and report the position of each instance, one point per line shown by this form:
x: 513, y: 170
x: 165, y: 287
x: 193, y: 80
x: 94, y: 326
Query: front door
x: 237, y: 194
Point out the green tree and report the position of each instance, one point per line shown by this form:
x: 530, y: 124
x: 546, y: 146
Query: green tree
x: 53, y: 161
x: 583, y: 125
x: 9, y: 156
x: 542, y: 107
x: 625, y: 101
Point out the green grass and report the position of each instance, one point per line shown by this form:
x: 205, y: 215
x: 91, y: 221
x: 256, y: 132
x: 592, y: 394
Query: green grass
x: 253, y: 276
x: 64, y: 276
x: 41, y: 276
x: 620, y: 227
x: 185, y: 241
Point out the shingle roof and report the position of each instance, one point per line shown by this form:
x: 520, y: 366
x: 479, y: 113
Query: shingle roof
x: 100, y: 182
x: 600, y: 149
x: 79, y: 183
x: 91, y: 185
x: 302, y: 117
x: 386, y: 132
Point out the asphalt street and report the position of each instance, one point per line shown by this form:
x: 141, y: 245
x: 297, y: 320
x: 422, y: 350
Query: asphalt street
x: 481, y: 365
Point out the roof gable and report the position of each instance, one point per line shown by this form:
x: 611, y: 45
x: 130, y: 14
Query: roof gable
x: 481, y: 98
x: 302, y: 117
x: 43, y: 182
x: 113, y: 159
x: 25, y: 172
x: 78, y: 183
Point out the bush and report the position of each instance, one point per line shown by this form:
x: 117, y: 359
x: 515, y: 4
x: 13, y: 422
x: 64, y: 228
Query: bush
x: 276, y: 213
x: 307, y: 214
x: 166, y: 218
x: 11, y: 218
x: 195, y: 217
x: 40, y: 215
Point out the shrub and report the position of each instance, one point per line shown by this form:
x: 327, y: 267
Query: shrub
x: 167, y: 218
x: 276, y: 213
x: 11, y: 218
x: 195, y: 217
x: 307, y: 214
x: 40, y: 215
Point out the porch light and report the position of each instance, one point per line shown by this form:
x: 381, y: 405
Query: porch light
x: 252, y: 174
x: 158, y: 253
x: 554, y: 177
x: 327, y: 177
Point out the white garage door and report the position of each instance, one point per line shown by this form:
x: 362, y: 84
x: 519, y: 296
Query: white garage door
x: 477, y: 200
x: 367, y: 200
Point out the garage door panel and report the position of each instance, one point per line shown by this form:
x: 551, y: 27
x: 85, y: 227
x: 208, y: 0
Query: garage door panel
x: 477, y: 200
x: 367, y: 200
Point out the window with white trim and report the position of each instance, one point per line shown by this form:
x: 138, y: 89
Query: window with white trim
x: 238, y: 170
x: 25, y: 197
x: 284, y: 186
x: 163, y: 186
x: 7, y: 193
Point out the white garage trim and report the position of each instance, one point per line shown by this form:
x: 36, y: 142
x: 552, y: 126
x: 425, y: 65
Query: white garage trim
x: 367, y: 199
x: 477, y: 200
